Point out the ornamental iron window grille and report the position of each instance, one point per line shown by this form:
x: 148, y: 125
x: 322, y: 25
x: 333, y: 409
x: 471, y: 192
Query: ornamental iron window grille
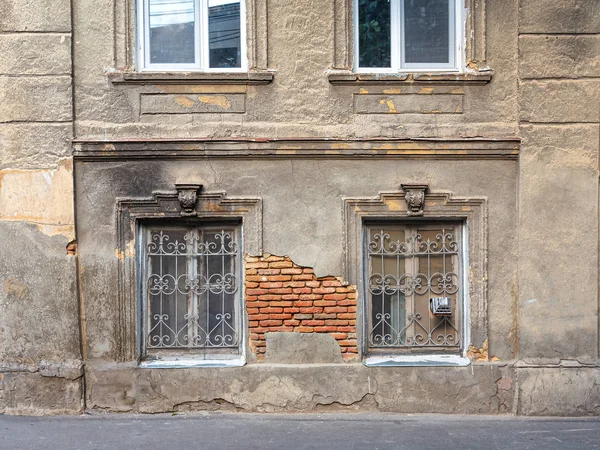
x: 411, y: 268
x: 192, y: 290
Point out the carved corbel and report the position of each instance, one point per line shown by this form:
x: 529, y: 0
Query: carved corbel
x: 414, y: 194
x: 188, y: 195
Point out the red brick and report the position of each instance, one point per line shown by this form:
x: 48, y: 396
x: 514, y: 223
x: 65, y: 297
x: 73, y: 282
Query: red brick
x: 250, y: 272
x: 270, y: 285
x: 256, y: 337
x: 350, y: 356
x: 256, y: 278
x: 302, y: 290
x: 260, y: 343
x: 252, y: 310
x: 335, y: 297
x: 270, y: 323
x: 352, y: 295
x: 284, y: 291
x: 322, y: 290
x: 325, y: 329
x: 269, y: 297
x: 348, y: 343
x: 256, y: 291
x: 302, y: 303
x: 258, y: 317
x: 280, y: 278
x: 336, y: 322
x: 304, y: 329
x: 352, y: 349
x: 351, y: 309
x: 281, y: 264
x: 313, y: 323
x: 256, y: 304
x: 271, y: 310
x: 281, y: 304
x: 291, y: 322
x: 291, y: 310
x: 334, y: 283
x: 305, y: 277
x: 251, y: 285
x: 312, y: 310
x: 325, y: 303
x: 269, y: 271
x: 335, y: 309
x: 251, y: 298
x: 282, y: 329
x: 252, y: 323
x: 272, y: 258
x: 260, y: 330
x: 289, y: 297
x: 347, y: 302
x: 292, y: 271
x: 280, y: 316
x: 313, y: 284
x: 308, y: 270
x: 257, y: 265
x: 346, y: 329
x: 347, y: 316
x: 294, y: 284
x: 310, y: 297
x: 326, y: 316
x: 303, y: 316
x: 339, y: 336
x: 343, y: 290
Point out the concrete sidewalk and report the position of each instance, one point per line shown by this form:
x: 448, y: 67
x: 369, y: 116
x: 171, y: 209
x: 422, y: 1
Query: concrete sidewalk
x: 224, y: 431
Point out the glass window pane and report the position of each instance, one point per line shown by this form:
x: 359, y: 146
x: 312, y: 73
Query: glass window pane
x: 374, y: 33
x: 171, y: 31
x: 224, y: 33
x: 426, y: 31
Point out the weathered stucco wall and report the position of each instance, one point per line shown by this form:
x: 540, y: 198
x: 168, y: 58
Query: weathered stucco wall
x: 559, y: 44
x: 40, y: 367
x: 65, y: 76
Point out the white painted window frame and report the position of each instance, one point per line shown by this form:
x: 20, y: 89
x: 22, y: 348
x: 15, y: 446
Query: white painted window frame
x: 202, y: 61
x: 398, y: 64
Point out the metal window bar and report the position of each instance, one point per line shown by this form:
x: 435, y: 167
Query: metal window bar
x: 192, y: 288
x: 407, y: 266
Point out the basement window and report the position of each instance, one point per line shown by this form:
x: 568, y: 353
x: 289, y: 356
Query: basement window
x: 192, y: 35
x: 407, y: 35
x: 414, y: 290
x: 191, y: 298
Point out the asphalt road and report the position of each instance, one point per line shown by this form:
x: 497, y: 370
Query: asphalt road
x: 296, y: 431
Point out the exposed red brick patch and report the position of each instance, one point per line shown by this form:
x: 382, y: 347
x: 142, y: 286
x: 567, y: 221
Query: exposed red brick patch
x: 282, y: 296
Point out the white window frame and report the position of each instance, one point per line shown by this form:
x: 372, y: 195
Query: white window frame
x: 202, y: 55
x: 398, y: 64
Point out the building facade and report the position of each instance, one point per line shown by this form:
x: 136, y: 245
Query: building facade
x: 300, y: 206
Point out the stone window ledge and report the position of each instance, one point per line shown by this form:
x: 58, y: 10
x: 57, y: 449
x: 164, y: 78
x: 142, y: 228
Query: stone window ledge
x: 342, y: 78
x: 417, y: 360
x: 190, y: 363
x: 225, y: 78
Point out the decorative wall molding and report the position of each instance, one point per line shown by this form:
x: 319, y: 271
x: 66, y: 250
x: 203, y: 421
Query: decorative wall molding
x: 258, y: 148
x: 164, y: 206
x: 440, y: 206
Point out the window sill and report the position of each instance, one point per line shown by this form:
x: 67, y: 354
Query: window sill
x: 417, y: 360
x: 229, y: 78
x: 445, y: 78
x: 191, y: 363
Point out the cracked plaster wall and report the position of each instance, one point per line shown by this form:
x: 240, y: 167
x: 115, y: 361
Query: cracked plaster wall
x: 40, y: 361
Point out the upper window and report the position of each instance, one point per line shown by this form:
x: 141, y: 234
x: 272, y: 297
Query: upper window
x: 407, y: 35
x: 201, y: 35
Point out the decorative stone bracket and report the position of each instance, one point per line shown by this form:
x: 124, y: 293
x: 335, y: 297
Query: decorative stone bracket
x: 414, y: 194
x: 188, y: 195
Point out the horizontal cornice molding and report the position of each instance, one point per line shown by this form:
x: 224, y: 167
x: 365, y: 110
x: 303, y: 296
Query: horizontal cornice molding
x: 297, y: 148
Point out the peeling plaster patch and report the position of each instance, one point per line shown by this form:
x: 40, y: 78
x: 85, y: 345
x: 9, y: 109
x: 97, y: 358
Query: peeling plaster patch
x: 54, y: 230
x: 44, y: 197
x: 390, y: 105
x: 480, y: 354
x: 15, y: 288
x: 216, y: 100
x: 182, y: 100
